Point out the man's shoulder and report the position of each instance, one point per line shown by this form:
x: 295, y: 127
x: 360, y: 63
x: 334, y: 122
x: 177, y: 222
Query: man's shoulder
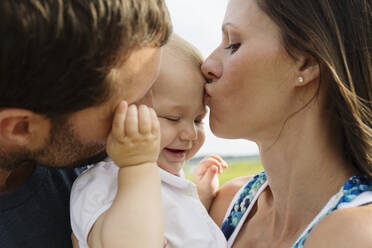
x: 43, y: 185
x: 70, y: 172
x: 37, y: 213
x: 63, y: 178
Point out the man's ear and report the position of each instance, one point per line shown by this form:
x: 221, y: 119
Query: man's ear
x: 21, y: 127
x: 308, y: 70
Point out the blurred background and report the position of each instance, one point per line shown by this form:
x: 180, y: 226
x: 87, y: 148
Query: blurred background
x: 199, y: 22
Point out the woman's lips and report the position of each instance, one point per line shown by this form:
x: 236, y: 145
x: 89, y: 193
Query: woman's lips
x: 206, y: 98
x: 206, y: 91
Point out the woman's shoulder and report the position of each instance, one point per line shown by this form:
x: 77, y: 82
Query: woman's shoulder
x: 224, y: 197
x: 235, y: 183
x: 343, y: 228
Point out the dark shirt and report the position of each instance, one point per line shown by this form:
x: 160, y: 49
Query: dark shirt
x: 37, y: 213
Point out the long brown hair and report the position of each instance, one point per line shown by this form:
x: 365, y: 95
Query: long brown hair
x: 338, y: 34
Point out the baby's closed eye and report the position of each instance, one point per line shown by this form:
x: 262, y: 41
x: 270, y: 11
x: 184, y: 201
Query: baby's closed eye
x: 170, y: 118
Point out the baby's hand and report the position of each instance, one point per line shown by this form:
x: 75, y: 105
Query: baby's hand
x: 206, y: 179
x: 134, y: 138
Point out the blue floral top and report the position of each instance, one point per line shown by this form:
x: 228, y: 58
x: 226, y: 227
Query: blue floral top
x: 351, y: 189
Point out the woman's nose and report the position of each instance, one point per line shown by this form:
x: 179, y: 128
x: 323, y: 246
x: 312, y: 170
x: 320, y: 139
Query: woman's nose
x: 211, y: 68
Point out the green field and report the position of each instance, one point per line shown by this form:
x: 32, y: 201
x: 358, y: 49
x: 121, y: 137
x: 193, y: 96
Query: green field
x: 236, y: 169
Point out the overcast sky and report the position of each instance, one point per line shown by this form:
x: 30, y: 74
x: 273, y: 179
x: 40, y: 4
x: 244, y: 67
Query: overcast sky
x: 199, y: 22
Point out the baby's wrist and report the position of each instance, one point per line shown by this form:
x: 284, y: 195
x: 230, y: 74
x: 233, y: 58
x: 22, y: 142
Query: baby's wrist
x: 206, y: 194
x: 131, y: 174
x: 126, y: 164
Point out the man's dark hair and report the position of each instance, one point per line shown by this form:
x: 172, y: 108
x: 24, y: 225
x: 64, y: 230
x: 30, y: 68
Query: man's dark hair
x: 55, y: 55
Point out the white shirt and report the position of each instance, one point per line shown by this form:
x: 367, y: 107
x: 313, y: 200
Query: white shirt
x: 187, y: 223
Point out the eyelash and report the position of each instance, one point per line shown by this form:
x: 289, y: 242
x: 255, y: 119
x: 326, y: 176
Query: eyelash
x: 198, y: 122
x: 171, y: 119
x: 233, y: 47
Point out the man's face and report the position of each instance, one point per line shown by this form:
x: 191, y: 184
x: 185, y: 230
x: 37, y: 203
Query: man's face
x: 81, y: 139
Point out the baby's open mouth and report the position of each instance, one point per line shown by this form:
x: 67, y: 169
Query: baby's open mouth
x: 175, y: 150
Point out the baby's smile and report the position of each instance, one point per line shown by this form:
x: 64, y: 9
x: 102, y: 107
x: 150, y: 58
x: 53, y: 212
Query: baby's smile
x: 178, y: 154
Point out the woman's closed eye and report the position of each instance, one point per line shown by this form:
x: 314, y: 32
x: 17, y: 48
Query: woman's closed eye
x: 233, y: 47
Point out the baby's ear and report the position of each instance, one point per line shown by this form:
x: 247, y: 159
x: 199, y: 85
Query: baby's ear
x: 308, y: 70
x: 22, y: 128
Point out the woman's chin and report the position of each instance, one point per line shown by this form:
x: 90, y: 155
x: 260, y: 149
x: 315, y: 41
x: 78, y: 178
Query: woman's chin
x: 222, y: 132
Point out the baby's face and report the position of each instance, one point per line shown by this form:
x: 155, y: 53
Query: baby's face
x: 178, y: 101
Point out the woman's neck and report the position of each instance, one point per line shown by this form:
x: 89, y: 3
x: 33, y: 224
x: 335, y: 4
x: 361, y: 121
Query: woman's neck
x: 304, y: 168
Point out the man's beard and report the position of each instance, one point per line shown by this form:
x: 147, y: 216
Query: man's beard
x: 62, y: 149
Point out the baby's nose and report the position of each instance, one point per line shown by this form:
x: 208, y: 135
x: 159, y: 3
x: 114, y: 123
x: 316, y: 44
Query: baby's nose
x: 189, y: 133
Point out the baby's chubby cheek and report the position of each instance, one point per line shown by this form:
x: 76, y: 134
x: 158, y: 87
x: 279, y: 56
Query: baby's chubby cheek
x: 197, y: 144
x: 163, y: 140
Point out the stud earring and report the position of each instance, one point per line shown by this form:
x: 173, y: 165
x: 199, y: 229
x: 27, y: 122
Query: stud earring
x: 300, y: 79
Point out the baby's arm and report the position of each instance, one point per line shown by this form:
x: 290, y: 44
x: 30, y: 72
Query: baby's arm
x: 75, y: 242
x: 206, y: 179
x: 135, y: 217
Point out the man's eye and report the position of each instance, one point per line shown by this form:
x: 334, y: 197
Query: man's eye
x: 233, y: 47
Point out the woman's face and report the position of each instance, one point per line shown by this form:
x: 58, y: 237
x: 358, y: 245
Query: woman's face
x: 250, y: 75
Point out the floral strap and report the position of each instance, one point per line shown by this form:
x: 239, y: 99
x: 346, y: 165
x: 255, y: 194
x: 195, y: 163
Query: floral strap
x: 241, y: 205
x: 351, y: 189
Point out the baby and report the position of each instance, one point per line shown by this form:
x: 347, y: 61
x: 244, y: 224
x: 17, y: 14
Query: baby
x: 178, y: 101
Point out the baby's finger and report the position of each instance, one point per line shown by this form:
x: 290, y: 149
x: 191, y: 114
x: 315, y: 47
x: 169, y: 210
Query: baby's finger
x: 131, y: 122
x: 222, y: 162
x: 199, y: 171
x: 211, y: 173
x: 155, y: 126
x: 225, y: 165
x: 144, y: 116
x: 218, y: 158
x: 119, y: 119
x: 211, y: 160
